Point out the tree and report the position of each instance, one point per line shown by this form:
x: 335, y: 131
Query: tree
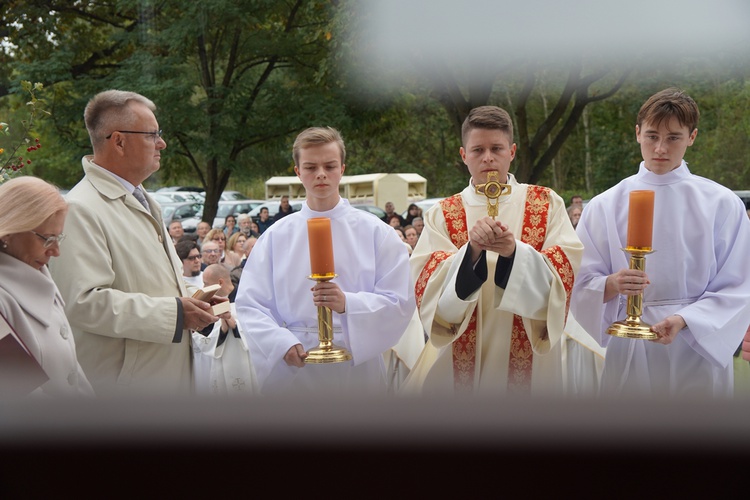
x: 228, y: 77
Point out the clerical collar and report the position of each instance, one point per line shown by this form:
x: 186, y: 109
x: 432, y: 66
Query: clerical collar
x: 678, y: 174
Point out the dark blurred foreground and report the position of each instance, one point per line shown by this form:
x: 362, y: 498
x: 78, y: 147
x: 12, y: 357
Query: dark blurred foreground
x: 349, y: 448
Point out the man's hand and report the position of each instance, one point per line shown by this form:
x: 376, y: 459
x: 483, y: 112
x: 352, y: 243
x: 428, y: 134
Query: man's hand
x: 491, y: 235
x: 668, y: 329
x: 295, y: 356
x: 196, y: 313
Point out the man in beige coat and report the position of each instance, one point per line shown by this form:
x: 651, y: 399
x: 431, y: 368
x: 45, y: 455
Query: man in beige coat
x: 119, y: 274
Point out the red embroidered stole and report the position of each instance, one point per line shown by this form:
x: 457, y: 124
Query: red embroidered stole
x: 534, y: 231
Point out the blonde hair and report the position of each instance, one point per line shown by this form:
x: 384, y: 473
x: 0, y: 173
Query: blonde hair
x: 111, y: 109
x: 233, y: 240
x: 26, y: 202
x: 316, y: 136
x: 213, y: 232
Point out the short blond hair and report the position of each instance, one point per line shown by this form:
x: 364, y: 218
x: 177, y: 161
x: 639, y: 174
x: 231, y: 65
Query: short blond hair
x: 315, y: 136
x: 26, y: 202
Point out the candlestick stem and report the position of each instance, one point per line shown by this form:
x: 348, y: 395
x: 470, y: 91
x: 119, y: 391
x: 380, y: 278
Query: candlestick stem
x: 632, y: 327
x: 327, y: 351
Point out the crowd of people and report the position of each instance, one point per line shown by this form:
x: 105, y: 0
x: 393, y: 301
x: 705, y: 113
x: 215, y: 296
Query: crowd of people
x: 505, y: 296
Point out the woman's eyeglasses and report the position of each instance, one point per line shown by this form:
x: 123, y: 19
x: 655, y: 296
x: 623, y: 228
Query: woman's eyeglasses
x: 50, y: 240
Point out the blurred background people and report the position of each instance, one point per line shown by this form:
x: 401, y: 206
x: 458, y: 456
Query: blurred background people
x: 284, y: 209
x: 245, y: 222
x: 210, y: 254
x: 32, y: 216
x: 202, y: 230
x: 264, y: 221
x: 176, y: 231
x: 412, y: 212
x: 574, y: 212
x: 230, y: 226
x: 190, y: 255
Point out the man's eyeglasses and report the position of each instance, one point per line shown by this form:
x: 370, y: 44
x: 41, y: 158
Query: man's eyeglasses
x: 50, y: 240
x: 211, y: 250
x: 156, y: 135
x: 194, y: 257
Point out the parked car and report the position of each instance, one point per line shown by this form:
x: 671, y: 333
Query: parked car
x: 180, y: 211
x: 423, y: 204
x: 376, y: 211
x: 273, y: 208
x: 230, y: 196
x: 235, y: 207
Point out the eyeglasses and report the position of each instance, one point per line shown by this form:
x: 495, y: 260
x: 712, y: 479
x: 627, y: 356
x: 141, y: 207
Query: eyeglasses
x: 217, y: 238
x: 194, y: 257
x: 211, y: 250
x: 50, y: 240
x: 156, y: 135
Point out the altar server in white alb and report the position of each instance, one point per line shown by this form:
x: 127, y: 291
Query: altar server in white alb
x: 695, y: 286
x: 371, y: 297
x: 222, y: 364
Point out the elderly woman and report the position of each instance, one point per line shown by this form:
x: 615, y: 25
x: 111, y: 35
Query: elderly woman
x: 32, y: 215
x: 228, y: 258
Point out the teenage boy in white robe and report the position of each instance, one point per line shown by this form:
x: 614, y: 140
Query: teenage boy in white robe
x: 371, y: 299
x: 695, y: 286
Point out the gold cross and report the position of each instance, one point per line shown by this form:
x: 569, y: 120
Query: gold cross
x: 493, y: 190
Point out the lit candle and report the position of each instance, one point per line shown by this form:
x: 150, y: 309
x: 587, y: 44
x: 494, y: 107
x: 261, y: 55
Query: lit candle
x: 641, y: 219
x: 321, y: 245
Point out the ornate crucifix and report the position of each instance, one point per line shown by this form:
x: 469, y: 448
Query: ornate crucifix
x: 493, y: 190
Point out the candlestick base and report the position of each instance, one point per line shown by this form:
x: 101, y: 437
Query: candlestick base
x: 328, y: 354
x: 632, y: 328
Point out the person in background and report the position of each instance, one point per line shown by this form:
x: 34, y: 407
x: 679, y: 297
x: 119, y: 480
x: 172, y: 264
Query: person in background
x: 176, y: 231
x: 418, y: 224
x: 118, y: 272
x: 230, y: 226
x: 395, y: 221
x: 227, y: 258
x: 202, y: 230
x: 254, y: 229
x: 371, y: 298
x: 284, y: 209
x: 695, y: 287
x: 245, y: 223
x: 410, y: 233
x: 576, y: 201
x: 211, y: 254
x: 390, y: 212
x: 264, y: 221
x: 235, y: 248
x: 412, y: 212
x: 190, y: 255
x: 32, y: 216
x: 493, y: 291
x: 574, y: 213
x: 223, y: 366
x: 400, y: 233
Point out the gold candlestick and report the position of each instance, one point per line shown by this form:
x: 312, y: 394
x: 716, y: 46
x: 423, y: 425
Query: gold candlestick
x: 327, y: 351
x: 632, y: 327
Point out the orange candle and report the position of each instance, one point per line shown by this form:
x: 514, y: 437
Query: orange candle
x: 321, y: 245
x: 641, y: 219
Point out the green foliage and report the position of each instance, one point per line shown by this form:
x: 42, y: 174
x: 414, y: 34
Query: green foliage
x: 236, y: 80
